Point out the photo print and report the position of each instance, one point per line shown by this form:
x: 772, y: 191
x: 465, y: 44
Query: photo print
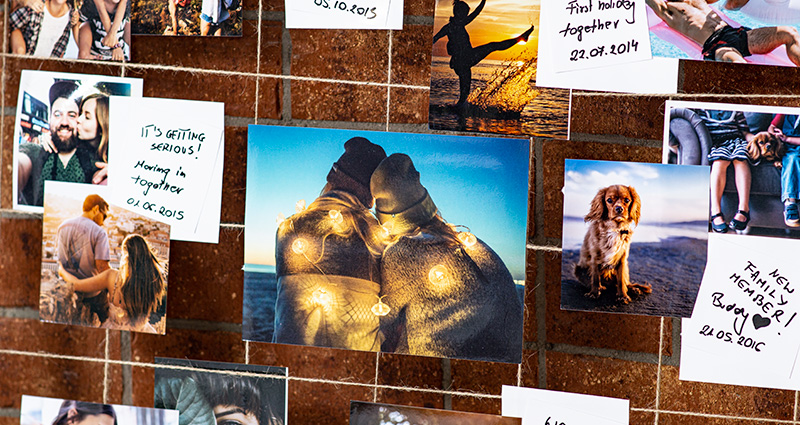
x: 742, y: 31
x: 221, y: 393
x: 102, y: 266
x: 435, y: 266
x: 55, y: 411
x: 61, y: 131
x: 634, y: 237
x: 187, y: 17
x: 483, y: 71
x: 72, y: 29
x: 363, y: 413
x: 538, y: 406
x: 754, y: 153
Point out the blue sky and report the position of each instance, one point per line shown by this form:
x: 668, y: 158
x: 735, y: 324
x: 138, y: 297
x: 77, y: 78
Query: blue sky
x: 475, y: 181
x: 669, y: 193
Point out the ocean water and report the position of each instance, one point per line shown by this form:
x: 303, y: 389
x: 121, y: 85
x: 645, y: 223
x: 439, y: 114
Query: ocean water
x: 575, y: 230
x: 258, y: 308
x: 546, y: 115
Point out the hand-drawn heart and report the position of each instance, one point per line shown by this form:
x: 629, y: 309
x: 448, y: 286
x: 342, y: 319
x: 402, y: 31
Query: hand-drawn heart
x: 760, y: 322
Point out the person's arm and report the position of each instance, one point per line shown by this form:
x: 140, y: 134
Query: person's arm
x: 442, y: 32
x: 100, y: 5
x: 100, y: 266
x: 110, y: 39
x: 36, y: 5
x: 660, y: 8
x: 75, y: 21
x: 18, y: 42
x: 475, y: 13
x: 95, y: 283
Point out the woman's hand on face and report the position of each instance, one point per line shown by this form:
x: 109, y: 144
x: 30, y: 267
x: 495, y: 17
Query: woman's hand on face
x: 47, y: 143
x: 101, y: 175
x: 36, y: 5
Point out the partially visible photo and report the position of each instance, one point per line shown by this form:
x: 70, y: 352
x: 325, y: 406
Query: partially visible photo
x: 187, y: 17
x: 739, y: 31
x: 55, y: 411
x: 363, y: 413
x: 72, y: 29
x: 483, y: 71
x: 61, y: 131
x: 634, y: 237
x: 754, y: 154
x: 222, y: 393
x: 102, y: 266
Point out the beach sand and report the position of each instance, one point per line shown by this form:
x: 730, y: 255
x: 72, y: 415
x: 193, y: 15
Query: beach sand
x: 673, y: 267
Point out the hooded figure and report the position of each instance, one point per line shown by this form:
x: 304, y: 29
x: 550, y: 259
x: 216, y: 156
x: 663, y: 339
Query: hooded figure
x: 327, y: 260
x: 449, y: 294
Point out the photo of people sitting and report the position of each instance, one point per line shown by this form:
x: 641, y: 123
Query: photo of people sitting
x: 742, y: 31
x: 63, y: 134
x: 755, y: 166
x: 102, y: 266
x: 187, y: 17
x: 85, y: 29
x: 372, y: 264
x: 36, y: 410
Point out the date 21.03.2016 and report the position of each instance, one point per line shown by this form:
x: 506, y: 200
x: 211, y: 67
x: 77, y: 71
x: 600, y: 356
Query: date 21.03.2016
x: 613, y: 49
x: 367, y: 12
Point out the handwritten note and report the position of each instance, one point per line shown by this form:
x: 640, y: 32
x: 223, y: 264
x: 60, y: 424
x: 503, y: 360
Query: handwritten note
x: 543, y: 407
x: 595, y: 33
x: 344, y: 14
x: 744, y: 329
x: 168, y: 159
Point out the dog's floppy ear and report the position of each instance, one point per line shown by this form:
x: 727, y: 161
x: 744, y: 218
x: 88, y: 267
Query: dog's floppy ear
x: 753, y: 150
x: 636, y: 205
x: 597, y: 210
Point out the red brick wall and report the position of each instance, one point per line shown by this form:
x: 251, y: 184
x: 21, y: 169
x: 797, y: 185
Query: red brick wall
x: 376, y: 80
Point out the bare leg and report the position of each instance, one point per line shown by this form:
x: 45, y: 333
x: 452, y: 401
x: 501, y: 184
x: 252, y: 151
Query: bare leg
x: 718, y: 170
x: 767, y: 39
x: 742, y: 175
x: 204, y: 27
x: 735, y: 4
x: 464, y: 84
x: 729, y: 54
x: 173, y: 17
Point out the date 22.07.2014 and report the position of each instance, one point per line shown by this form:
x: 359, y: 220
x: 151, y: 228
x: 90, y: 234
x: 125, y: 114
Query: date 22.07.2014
x: 367, y: 12
x: 613, y: 49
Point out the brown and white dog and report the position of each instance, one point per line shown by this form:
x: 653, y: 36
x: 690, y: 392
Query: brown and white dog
x: 766, y: 146
x: 614, y: 214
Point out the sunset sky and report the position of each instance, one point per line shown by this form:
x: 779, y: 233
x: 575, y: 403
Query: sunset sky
x: 499, y: 20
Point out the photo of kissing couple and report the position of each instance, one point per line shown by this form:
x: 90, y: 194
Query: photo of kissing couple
x: 102, y: 266
x: 61, y: 131
x: 754, y: 154
x: 369, y: 262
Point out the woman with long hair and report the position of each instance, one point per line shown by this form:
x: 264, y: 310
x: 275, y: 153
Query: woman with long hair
x: 134, y: 291
x: 92, y: 130
x: 74, y: 412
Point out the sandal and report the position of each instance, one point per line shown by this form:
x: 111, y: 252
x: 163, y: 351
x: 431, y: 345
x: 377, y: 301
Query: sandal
x: 740, y: 225
x: 719, y: 228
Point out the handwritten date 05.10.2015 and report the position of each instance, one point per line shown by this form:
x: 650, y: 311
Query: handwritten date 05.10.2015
x: 367, y: 12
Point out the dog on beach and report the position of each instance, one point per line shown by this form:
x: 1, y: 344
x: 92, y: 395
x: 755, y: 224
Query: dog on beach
x: 766, y: 146
x: 613, y: 215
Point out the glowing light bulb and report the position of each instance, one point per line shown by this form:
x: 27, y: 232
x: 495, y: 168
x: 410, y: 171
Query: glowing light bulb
x: 380, y: 309
x: 299, y: 245
x: 280, y: 219
x: 300, y: 206
x: 321, y: 297
x: 438, y: 275
x: 467, y: 238
x: 335, y: 216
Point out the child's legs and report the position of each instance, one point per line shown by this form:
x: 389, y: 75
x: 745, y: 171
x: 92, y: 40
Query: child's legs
x: 464, y: 84
x: 173, y: 17
x: 479, y: 53
x: 718, y: 177
x: 204, y: 27
x: 790, y: 175
x: 741, y: 171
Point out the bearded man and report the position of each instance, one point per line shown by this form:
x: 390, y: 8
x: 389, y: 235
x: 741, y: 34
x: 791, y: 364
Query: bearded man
x: 69, y: 163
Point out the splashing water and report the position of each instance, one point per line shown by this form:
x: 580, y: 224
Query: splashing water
x: 508, y: 89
